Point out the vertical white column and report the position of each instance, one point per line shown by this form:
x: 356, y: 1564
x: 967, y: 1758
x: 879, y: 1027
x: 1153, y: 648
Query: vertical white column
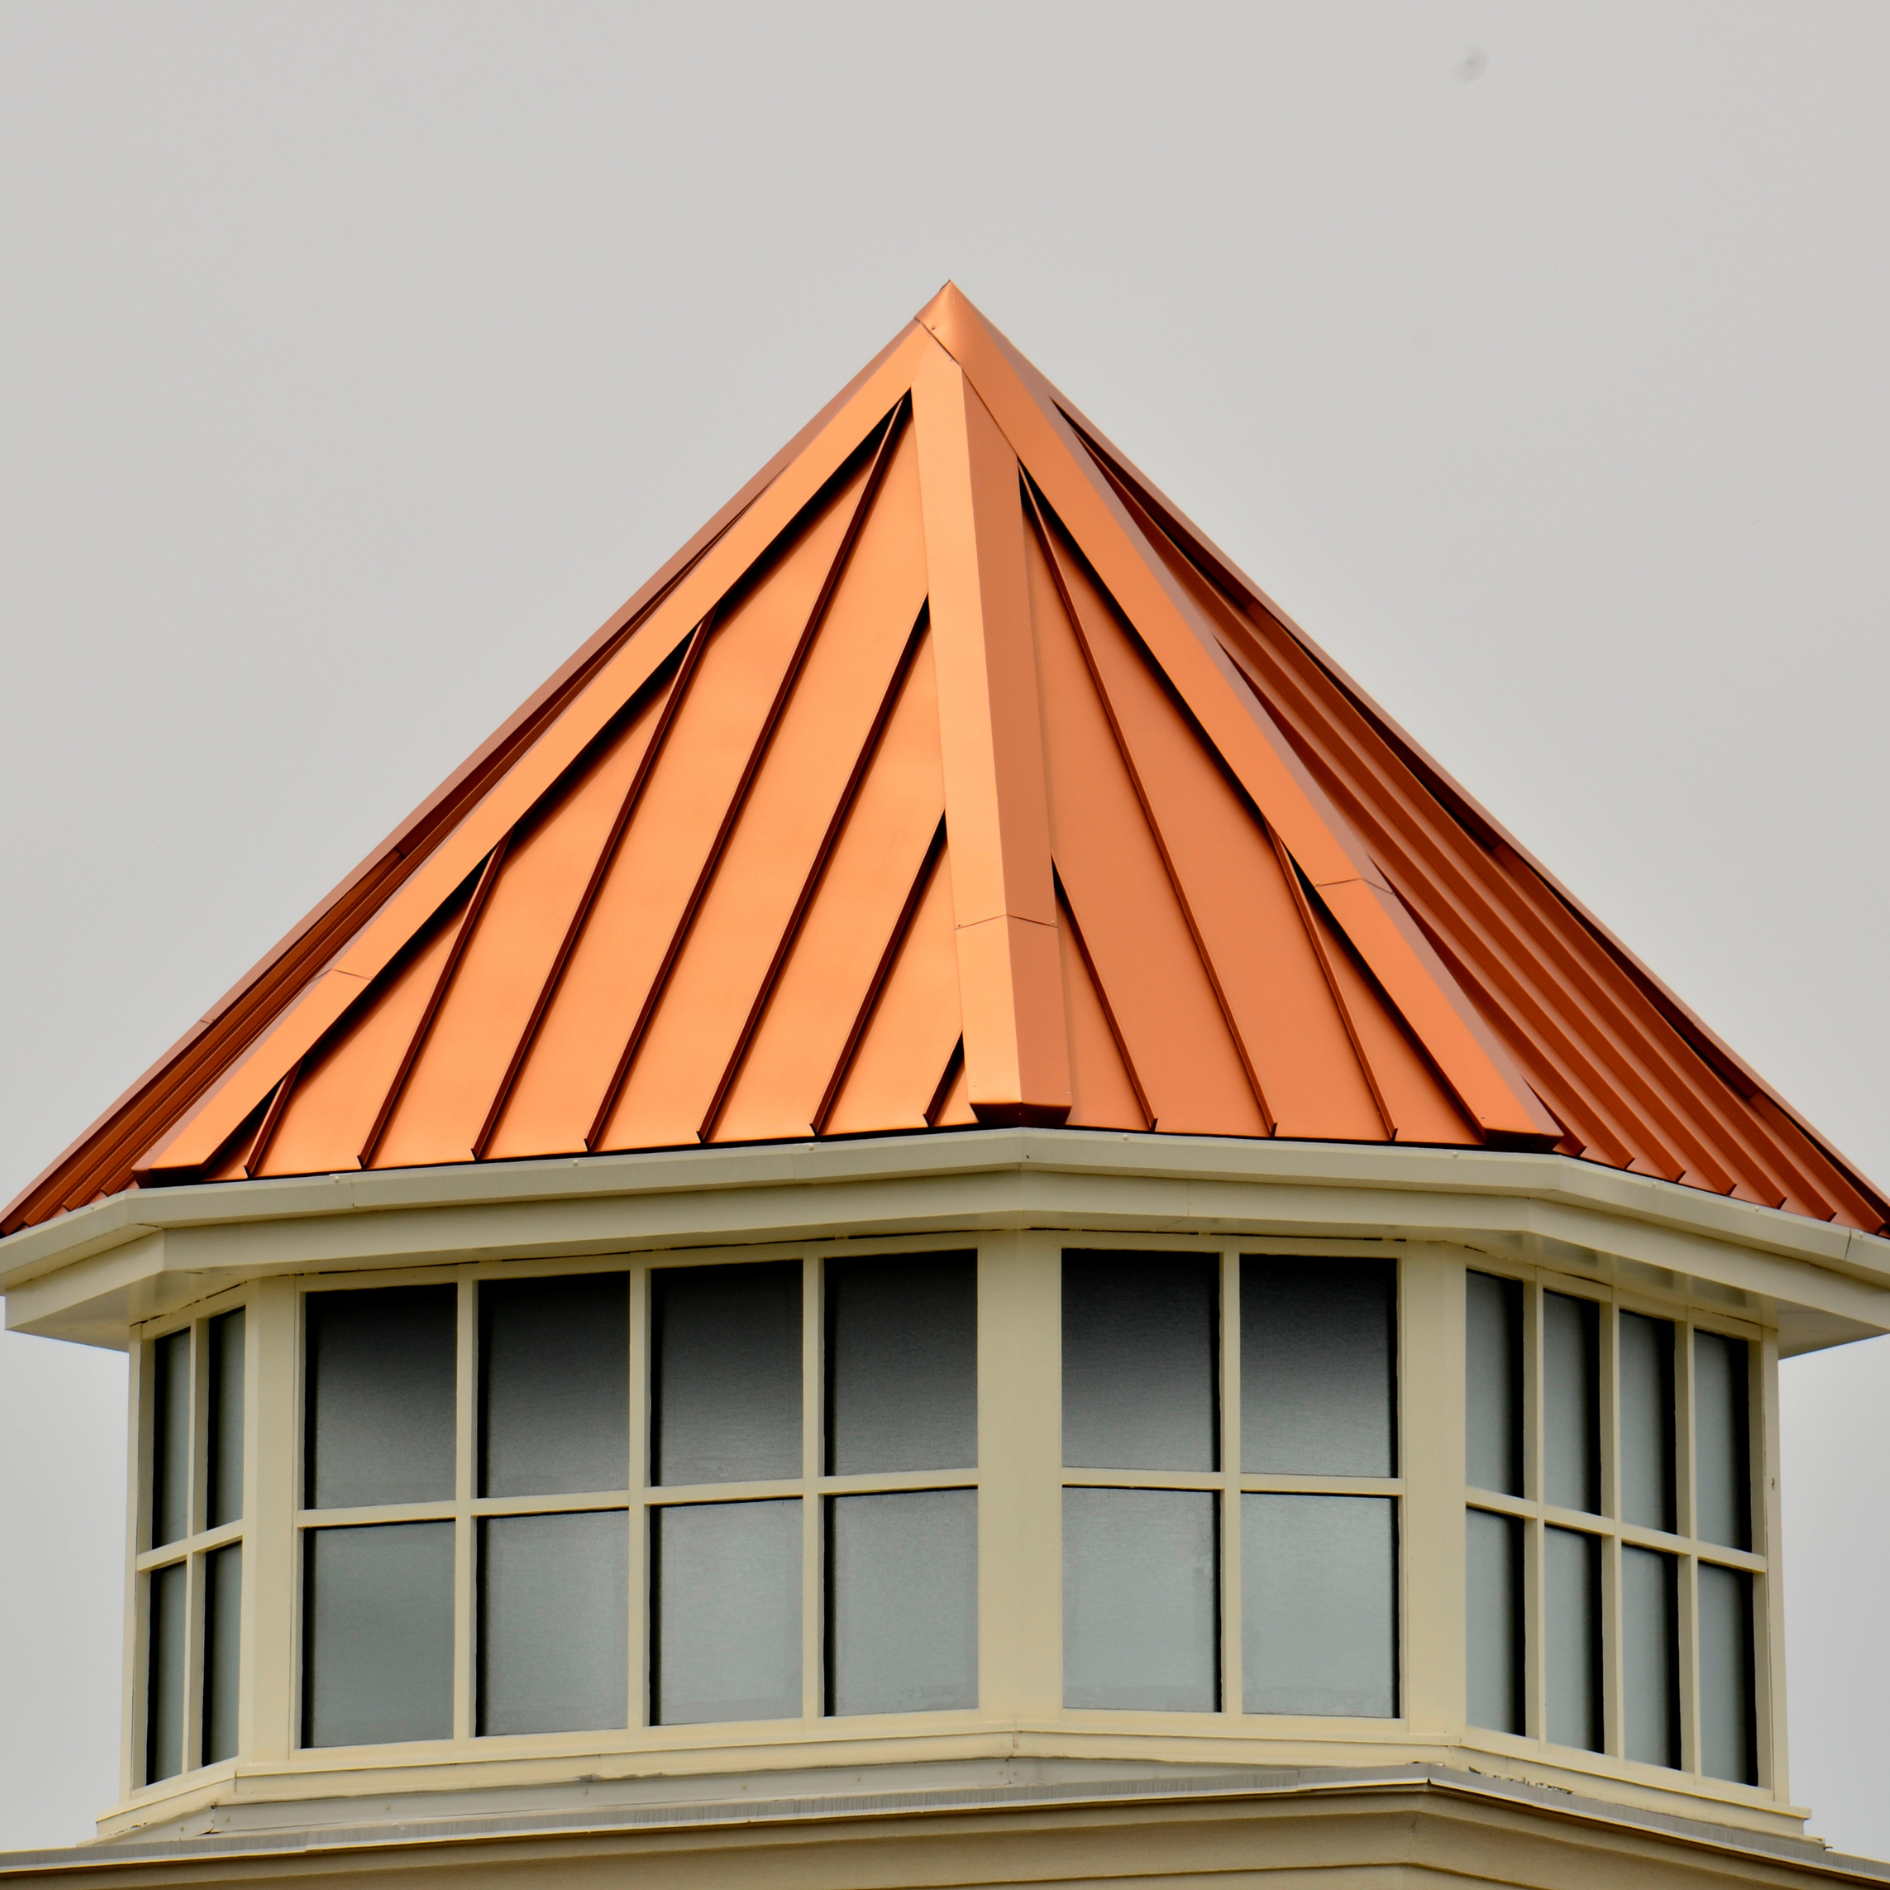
x: 639, y: 1518
x: 272, y: 1493
x: 137, y: 1538
x: 465, y: 1530
x: 1431, y: 1459
x: 1689, y: 1568
x: 813, y: 1585
x: 1232, y: 1587
x: 1535, y: 1558
x: 1768, y: 1609
x: 1020, y: 1452
x: 1613, y: 1667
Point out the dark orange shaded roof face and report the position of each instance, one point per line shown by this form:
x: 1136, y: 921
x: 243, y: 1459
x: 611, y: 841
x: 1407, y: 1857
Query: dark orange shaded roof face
x: 949, y: 776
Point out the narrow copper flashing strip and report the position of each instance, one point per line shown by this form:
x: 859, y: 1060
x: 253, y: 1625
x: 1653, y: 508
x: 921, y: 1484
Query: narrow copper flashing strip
x: 921, y: 882
x: 266, y: 1129
x: 468, y: 924
x: 1068, y: 916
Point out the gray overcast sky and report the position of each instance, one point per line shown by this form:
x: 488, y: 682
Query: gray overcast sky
x: 356, y: 361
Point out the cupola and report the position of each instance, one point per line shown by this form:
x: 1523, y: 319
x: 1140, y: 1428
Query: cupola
x: 949, y: 1153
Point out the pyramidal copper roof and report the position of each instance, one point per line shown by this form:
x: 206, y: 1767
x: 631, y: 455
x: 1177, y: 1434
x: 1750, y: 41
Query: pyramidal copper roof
x: 947, y: 776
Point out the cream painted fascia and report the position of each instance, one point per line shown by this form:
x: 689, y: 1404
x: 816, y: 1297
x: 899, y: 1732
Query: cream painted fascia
x: 92, y: 1274
x: 1398, y: 1826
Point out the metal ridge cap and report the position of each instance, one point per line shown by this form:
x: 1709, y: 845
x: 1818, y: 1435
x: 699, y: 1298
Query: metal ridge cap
x: 1505, y: 1173
x: 1223, y: 1784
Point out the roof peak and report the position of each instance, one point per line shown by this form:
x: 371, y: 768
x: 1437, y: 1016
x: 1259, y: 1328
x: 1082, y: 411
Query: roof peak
x: 947, y: 775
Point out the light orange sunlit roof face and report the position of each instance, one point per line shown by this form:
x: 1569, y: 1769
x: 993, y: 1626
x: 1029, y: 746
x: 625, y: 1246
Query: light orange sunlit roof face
x: 948, y: 777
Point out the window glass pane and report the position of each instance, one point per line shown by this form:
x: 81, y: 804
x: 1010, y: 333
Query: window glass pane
x: 164, y: 1687
x: 1571, y: 1403
x: 1723, y: 1479
x: 726, y: 1640
x: 1573, y: 1640
x: 903, y: 1602
x: 1493, y: 1384
x: 554, y: 1622
x: 554, y: 1385
x: 1650, y: 1655
x: 222, y: 1650
x: 1139, y: 1383
x: 1647, y: 1423
x: 1141, y: 1600
x: 170, y: 1439
x: 380, y: 1396
x: 1319, y: 1615
x: 226, y: 1419
x: 1318, y: 1353
x: 728, y: 1374
x: 1728, y: 1716
x: 377, y: 1633
x: 1494, y: 1554
x: 902, y: 1363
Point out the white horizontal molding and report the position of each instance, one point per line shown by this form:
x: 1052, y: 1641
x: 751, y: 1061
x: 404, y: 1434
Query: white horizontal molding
x: 91, y: 1274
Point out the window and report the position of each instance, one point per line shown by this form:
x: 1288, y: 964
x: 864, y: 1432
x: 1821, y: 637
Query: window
x: 504, y: 1465
x: 191, y: 1555
x: 1230, y: 1483
x: 1609, y: 1458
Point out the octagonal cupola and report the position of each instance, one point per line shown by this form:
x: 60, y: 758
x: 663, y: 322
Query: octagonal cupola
x: 948, y: 1146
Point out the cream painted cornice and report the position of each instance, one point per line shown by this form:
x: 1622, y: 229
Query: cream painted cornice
x: 91, y: 1274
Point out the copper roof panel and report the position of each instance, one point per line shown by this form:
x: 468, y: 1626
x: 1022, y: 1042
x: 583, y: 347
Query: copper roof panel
x: 949, y: 775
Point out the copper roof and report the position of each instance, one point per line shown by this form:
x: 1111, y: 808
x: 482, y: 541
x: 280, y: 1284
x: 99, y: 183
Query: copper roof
x: 949, y: 775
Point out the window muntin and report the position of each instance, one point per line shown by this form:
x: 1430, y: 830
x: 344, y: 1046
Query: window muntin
x: 657, y: 1429
x: 1230, y: 1504
x: 1659, y: 1543
x: 189, y: 1652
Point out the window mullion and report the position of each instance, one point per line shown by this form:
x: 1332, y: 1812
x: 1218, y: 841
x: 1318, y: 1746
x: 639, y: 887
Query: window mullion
x: 1613, y: 1664
x: 639, y: 1494
x: 1767, y: 1616
x: 813, y: 1405
x: 465, y: 1529
x: 1232, y: 1629
x: 1535, y: 1608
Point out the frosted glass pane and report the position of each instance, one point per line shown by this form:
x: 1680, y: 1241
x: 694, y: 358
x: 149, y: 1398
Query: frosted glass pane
x: 1494, y: 1619
x: 226, y: 1419
x: 1319, y: 1615
x: 903, y: 1602
x: 726, y: 1641
x: 554, y: 1385
x: 1139, y: 1382
x: 1493, y: 1384
x: 1318, y: 1353
x: 170, y: 1439
x: 1650, y: 1655
x: 1573, y: 1640
x: 377, y: 1633
x: 222, y: 1650
x: 1141, y: 1600
x: 1722, y: 1472
x: 902, y: 1363
x: 728, y: 1373
x: 1571, y: 1403
x: 164, y: 1686
x: 554, y: 1622
x: 1646, y: 1376
x: 380, y: 1396
x: 1728, y: 1715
